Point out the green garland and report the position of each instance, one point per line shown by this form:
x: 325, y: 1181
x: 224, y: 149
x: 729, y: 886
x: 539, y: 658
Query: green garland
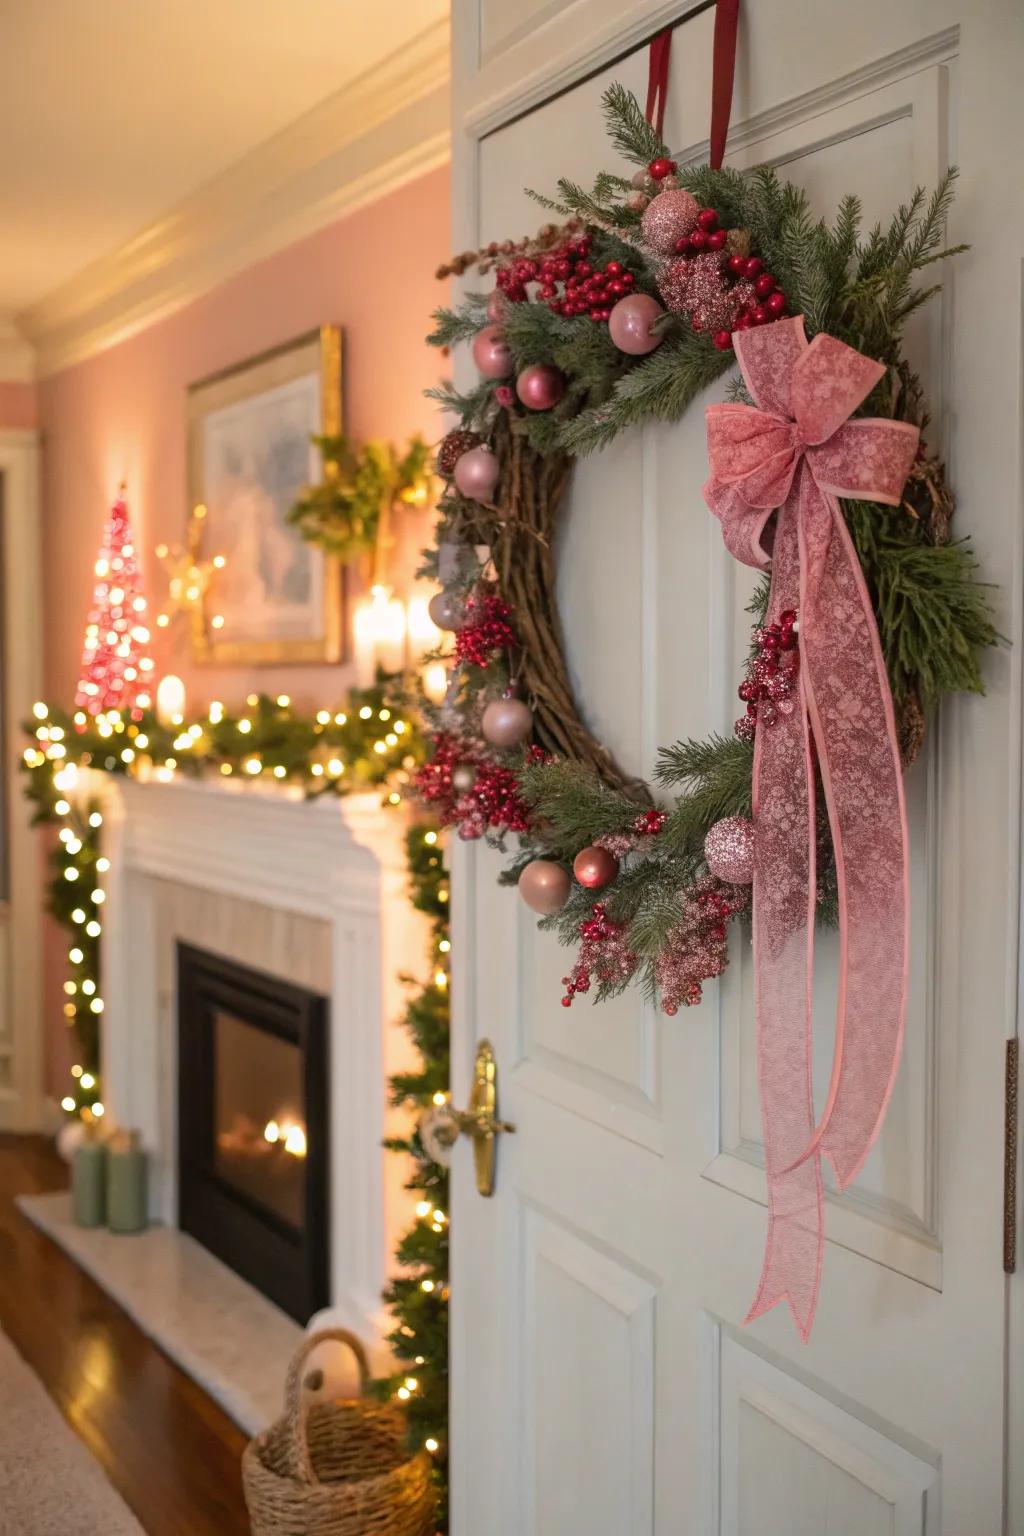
x: 932, y: 610
x: 360, y: 486
x: 371, y: 742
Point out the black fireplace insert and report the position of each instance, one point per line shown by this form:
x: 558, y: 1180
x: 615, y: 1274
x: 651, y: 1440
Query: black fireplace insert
x: 253, y: 1127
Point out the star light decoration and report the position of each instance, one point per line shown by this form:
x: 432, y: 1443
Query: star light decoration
x: 189, y: 575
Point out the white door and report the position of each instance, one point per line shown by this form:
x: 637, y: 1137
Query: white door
x: 603, y: 1383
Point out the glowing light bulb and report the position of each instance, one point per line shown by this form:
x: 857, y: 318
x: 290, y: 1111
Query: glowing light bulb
x: 88, y: 1081
x: 67, y: 1103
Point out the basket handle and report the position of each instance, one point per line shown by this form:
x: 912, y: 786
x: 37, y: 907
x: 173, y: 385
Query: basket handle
x: 297, y: 1402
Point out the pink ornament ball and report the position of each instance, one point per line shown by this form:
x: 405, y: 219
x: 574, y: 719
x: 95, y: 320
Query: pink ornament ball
x: 629, y: 324
x: 491, y: 353
x: 729, y: 850
x: 445, y: 610
x: 671, y: 216
x: 476, y: 473
x: 595, y: 868
x: 544, y: 886
x: 540, y: 386
x: 506, y: 722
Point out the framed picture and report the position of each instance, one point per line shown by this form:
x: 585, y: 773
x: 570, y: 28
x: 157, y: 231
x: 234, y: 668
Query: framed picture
x: 276, y: 599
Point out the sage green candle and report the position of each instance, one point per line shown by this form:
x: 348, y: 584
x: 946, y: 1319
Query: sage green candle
x: 89, y: 1184
x: 126, y: 1184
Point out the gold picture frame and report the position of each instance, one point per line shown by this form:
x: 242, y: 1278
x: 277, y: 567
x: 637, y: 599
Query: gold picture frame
x: 277, y: 600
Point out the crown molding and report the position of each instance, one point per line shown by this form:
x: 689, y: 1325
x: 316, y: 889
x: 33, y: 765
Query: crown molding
x: 385, y: 128
x: 17, y: 358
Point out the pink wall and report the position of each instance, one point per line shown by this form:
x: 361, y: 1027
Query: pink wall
x: 18, y: 405
x: 121, y: 414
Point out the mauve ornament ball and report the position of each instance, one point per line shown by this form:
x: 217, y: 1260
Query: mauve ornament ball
x: 540, y: 386
x: 445, y: 610
x: 544, y: 886
x: 491, y: 353
x: 729, y: 850
x: 629, y: 324
x: 595, y: 868
x: 476, y: 473
x: 506, y: 722
x: 669, y: 217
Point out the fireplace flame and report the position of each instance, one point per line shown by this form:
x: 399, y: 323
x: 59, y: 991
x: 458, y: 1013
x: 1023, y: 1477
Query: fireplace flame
x: 288, y: 1133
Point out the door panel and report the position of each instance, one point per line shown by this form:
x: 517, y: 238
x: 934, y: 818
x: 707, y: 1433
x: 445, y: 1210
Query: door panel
x: 602, y: 1378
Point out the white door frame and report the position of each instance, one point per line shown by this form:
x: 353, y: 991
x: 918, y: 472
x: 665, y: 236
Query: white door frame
x: 22, y: 1097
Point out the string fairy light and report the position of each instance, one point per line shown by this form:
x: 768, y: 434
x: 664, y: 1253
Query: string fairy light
x: 368, y: 743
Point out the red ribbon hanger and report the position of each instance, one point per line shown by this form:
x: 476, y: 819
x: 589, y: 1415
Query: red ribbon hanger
x: 723, y: 71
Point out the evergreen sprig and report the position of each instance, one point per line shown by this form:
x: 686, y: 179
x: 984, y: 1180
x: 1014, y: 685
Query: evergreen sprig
x: 633, y: 136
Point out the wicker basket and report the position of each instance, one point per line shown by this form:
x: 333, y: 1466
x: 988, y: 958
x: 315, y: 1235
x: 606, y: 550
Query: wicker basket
x: 336, y: 1469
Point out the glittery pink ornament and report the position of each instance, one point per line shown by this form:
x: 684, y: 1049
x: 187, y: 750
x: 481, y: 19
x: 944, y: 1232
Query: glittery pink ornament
x: 595, y: 867
x: 629, y: 324
x: 695, y: 286
x: 729, y: 850
x: 671, y: 216
x: 491, y: 353
x: 476, y: 473
x: 506, y: 722
x: 544, y: 886
x: 540, y: 386
x: 445, y: 610
x: 695, y: 947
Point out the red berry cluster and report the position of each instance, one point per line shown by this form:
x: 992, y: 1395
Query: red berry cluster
x: 771, y: 675
x: 706, y: 237
x: 493, y: 801
x: 650, y: 823
x: 486, y: 629
x: 768, y: 303
x: 604, y: 955
x: 569, y: 284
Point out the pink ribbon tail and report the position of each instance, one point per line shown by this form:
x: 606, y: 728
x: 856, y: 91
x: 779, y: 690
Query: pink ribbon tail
x: 797, y: 451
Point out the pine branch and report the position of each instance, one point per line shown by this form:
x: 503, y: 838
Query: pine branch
x: 628, y: 129
x: 452, y: 326
x: 659, y: 388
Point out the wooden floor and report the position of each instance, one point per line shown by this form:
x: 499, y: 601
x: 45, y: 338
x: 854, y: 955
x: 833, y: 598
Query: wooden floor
x: 170, y: 1451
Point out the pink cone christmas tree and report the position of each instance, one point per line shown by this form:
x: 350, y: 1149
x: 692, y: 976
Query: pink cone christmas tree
x: 117, y: 670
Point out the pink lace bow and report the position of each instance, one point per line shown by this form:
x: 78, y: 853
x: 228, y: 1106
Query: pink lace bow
x: 796, y: 452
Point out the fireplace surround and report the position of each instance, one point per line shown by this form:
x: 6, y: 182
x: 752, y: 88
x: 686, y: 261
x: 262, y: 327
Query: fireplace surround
x: 312, y: 893
x: 253, y: 1126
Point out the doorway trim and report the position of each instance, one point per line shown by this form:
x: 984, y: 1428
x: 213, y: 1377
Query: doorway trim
x: 23, y: 1104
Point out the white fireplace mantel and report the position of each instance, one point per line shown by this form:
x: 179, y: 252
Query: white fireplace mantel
x: 340, y: 861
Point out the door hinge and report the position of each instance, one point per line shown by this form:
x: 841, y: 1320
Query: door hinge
x: 1010, y: 1156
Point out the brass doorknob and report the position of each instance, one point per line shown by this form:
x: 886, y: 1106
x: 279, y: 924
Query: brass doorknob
x: 480, y: 1120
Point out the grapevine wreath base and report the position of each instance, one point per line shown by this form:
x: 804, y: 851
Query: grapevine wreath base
x: 623, y: 312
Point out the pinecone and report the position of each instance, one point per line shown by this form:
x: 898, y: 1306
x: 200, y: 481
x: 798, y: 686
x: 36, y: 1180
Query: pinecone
x: 453, y: 447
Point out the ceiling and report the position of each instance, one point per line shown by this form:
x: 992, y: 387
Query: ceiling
x: 113, y: 111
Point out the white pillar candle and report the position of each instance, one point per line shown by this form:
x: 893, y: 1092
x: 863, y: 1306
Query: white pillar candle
x: 170, y: 700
